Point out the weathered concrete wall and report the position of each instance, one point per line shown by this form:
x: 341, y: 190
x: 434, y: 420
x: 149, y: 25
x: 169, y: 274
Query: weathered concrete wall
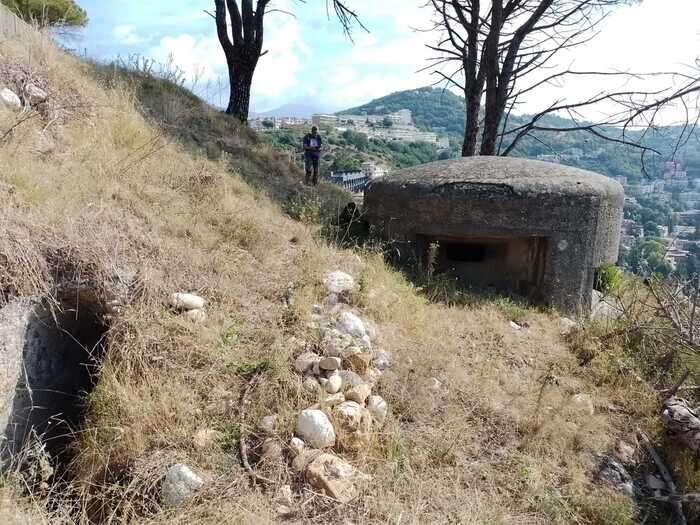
x: 578, y: 212
x: 46, y: 366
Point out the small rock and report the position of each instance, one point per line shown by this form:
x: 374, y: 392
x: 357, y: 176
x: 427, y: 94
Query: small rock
x: 268, y: 424
x: 350, y: 378
x: 582, y: 403
x: 626, y: 453
x: 382, y: 360
x: 352, y: 325
x: 9, y: 99
x: 612, y: 472
x: 359, y: 394
x: 179, y: 485
x: 329, y: 363
x: 301, y: 461
x: 334, y: 476
x: 655, y: 483
x: 378, y: 408
x: 206, y: 438
x: 333, y: 400
x: 338, y: 282
x: 515, y: 326
x: 285, y: 496
x: 196, y: 316
x: 34, y: 95
x: 356, y: 360
x: 314, y: 427
x: 373, y: 375
x: 435, y: 385
x: 310, y: 384
x: 305, y: 362
x: 317, y: 309
x: 297, y: 446
x: 334, y: 384
x: 566, y: 326
x: 283, y: 511
x: 271, y: 450
x: 187, y: 301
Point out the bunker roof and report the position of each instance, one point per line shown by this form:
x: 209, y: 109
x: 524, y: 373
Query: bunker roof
x: 520, y: 176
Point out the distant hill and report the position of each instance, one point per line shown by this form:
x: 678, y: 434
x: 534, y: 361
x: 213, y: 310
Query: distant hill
x: 442, y: 111
x: 433, y: 109
x: 292, y: 110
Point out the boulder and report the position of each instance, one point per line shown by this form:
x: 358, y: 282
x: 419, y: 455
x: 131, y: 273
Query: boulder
x: 353, y: 424
x: 359, y: 393
x: 187, y: 301
x: 357, y: 360
x: 34, y: 95
x: 338, y: 282
x: 378, y: 408
x: 314, y: 427
x: 9, y: 99
x: 305, y: 362
x: 350, y: 324
x: 334, y: 476
x: 179, y: 485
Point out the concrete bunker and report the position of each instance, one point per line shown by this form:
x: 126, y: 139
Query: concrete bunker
x: 48, y: 364
x: 516, y: 226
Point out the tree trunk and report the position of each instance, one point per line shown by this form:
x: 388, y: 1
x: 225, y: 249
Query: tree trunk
x: 241, y: 80
x: 471, y: 124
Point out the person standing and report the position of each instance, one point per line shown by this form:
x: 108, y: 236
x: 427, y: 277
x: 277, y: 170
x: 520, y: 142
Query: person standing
x: 312, y: 155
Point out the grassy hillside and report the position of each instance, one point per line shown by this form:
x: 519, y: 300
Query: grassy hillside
x: 128, y: 189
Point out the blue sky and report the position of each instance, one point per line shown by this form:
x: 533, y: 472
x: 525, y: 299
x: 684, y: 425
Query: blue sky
x: 310, y: 61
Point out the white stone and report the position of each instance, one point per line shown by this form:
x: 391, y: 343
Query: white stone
x: 515, y: 326
x: 566, y: 326
x: 359, y: 393
x: 314, y: 427
x: 179, y: 485
x: 305, y: 362
x: 195, y: 316
x: 9, y: 99
x: 285, y: 496
x: 352, y: 325
x: 268, y: 424
x: 34, y: 95
x: 297, y: 446
x: 338, y: 282
x: 334, y: 384
x: 310, y: 384
x: 187, y: 301
x: 378, y: 408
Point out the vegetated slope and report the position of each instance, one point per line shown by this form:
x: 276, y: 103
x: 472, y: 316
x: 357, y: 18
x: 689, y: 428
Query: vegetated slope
x: 442, y: 111
x: 483, y: 425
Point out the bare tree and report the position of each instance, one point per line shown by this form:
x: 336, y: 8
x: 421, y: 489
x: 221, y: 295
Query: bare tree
x: 243, y: 44
x: 498, y: 52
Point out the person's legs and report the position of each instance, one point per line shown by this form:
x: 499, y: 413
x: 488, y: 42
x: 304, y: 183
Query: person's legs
x: 308, y: 164
x: 315, y: 164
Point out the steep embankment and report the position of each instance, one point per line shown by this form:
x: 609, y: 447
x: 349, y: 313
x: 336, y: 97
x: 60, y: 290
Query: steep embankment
x: 490, y: 421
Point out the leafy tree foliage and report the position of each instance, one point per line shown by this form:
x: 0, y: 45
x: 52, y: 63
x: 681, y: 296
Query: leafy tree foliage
x: 646, y: 257
x: 48, y: 12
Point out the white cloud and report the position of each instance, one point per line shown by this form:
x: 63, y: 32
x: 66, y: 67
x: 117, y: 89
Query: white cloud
x: 126, y: 35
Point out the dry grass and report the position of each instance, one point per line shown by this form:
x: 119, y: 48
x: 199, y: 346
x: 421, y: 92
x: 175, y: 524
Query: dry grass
x: 497, y: 443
